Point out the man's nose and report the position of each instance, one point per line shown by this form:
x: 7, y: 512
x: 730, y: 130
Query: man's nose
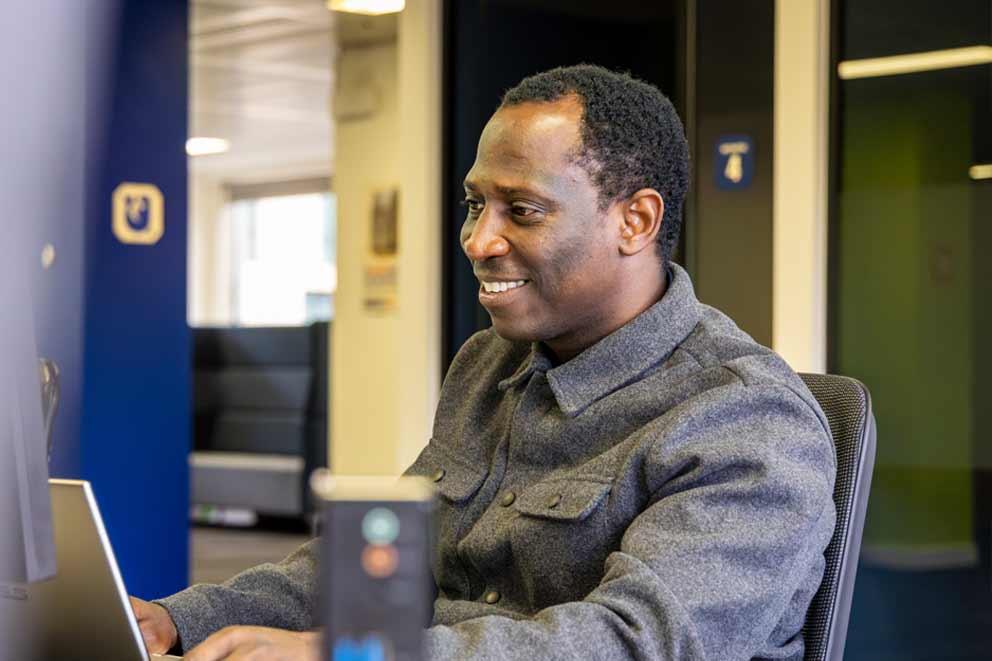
x: 484, y: 239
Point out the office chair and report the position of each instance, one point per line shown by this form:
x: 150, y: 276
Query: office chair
x: 847, y: 405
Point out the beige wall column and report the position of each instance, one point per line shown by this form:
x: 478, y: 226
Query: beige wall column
x: 364, y: 344
x: 802, y: 62
x: 419, y: 368
x: 385, y: 365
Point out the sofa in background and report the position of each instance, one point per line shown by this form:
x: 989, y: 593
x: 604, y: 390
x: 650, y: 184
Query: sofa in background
x: 260, y: 417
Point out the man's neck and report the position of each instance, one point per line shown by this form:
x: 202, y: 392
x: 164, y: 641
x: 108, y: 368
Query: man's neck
x: 645, y: 292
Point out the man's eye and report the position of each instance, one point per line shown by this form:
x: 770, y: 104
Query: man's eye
x: 523, y: 212
x: 474, y: 206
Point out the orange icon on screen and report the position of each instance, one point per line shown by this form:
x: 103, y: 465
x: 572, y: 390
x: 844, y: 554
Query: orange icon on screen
x: 380, y: 560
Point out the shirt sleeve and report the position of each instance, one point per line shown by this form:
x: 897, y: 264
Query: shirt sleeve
x: 721, y: 563
x: 281, y: 595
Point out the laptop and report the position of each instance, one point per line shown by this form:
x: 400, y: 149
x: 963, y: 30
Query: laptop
x: 83, y: 612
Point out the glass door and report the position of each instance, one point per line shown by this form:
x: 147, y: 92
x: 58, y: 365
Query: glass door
x: 911, y: 316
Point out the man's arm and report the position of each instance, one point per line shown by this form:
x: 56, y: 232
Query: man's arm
x: 282, y: 595
x: 720, y: 565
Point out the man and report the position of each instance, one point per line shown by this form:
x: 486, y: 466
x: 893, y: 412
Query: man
x: 623, y: 473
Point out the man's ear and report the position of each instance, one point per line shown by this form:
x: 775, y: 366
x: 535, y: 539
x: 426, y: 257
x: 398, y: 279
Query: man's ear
x: 641, y: 217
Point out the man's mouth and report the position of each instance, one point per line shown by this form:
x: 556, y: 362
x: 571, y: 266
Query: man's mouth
x: 501, y: 286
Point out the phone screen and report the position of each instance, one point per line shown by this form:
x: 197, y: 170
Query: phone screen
x: 377, y: 588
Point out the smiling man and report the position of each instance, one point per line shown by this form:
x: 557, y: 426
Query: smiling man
x: 623, y: 473
x: 560, y: 260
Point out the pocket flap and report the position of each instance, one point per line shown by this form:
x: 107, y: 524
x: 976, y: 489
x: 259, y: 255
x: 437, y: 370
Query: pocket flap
x: 453, y: 477
x: 564, y: 500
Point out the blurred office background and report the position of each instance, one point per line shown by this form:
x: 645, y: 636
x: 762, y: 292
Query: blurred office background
x: 911, y: 288
x: 308, y: 291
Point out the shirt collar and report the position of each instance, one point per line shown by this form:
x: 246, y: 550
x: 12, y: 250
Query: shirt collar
x: 619, y: 358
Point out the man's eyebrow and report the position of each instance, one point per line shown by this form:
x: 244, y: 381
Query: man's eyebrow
x: 508, y: 190
x: 518, y: 190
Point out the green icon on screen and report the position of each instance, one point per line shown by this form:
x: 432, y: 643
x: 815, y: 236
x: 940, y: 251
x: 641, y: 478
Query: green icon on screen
x: 380, y: 526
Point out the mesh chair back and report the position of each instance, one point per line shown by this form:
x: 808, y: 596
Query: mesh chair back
x: 847, y: 405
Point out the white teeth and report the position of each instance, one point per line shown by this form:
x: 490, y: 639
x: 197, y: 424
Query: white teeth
x: 494, y: 287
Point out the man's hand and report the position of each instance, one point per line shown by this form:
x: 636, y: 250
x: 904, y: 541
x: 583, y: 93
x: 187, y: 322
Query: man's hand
x: 248, y: 643
x: 157, y: 627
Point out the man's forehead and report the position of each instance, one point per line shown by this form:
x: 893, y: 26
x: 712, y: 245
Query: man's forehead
x: 530, y: 143
x: 530, y: 126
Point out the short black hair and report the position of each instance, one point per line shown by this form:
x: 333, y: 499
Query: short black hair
x: 632, y: 138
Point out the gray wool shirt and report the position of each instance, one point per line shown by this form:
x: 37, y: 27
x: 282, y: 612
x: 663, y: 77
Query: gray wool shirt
x: 666, y: 494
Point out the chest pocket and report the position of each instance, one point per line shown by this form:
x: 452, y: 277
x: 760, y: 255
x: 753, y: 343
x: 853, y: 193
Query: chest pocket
x: 455, y: 479
x: 560, y: 538
x: 562, y: 499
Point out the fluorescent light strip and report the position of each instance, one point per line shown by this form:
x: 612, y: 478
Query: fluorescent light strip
x: 915, y: 62
x: 369, y: 7
x: 206, y: 146
x: 977, y: 172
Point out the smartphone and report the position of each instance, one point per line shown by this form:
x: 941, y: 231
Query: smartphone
x: 376, y: 585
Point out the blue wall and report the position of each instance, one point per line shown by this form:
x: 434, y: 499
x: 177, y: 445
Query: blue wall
x: 136, y: 418
x: 120, y: 333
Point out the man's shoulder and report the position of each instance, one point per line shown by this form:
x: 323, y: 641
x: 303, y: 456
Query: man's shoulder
x: 727, y: 398
x: 729, y: 356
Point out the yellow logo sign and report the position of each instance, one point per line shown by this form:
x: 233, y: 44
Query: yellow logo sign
x: 138, y: 213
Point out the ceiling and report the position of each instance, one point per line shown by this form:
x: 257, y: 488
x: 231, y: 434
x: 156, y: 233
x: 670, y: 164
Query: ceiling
x: 262, y: 75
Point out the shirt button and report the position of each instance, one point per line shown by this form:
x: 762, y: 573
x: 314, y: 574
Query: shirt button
x: 491, y: 597
x: 438, y: 475
x: 508, y: 499
x: 554, y: 501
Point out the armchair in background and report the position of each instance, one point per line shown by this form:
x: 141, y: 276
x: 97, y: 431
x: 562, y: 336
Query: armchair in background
x: 260, y: 417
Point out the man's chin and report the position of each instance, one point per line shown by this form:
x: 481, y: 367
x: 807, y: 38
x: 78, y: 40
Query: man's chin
x: 514, y: 332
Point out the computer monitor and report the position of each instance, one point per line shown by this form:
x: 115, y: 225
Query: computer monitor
x: 26, y: 544
x: 39, y: 39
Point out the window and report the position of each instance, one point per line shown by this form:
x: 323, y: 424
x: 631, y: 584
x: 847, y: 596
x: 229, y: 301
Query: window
x: 282, y: 267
